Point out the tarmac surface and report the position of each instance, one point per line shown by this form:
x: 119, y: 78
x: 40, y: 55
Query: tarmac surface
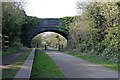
x: 73, y: 67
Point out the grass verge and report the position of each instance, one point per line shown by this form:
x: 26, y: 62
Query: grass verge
x: 44, y: 67
x: 9, y: 71
x: 91, y: 59
x: 12, y: 50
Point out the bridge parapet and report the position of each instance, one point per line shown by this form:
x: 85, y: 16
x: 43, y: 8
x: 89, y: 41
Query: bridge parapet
x: 49, y: 22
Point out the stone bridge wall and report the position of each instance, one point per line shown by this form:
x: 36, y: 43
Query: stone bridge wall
x: 52, y: 25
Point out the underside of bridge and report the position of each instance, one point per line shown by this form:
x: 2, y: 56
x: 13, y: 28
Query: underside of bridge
x: 39, y: 30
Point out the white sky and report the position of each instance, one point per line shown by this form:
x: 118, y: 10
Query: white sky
x: 51, y: 8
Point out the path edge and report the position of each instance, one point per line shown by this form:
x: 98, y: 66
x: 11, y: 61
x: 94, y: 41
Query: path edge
x: 25, y: 70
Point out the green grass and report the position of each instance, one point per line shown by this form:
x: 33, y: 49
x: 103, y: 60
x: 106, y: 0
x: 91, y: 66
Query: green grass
x: 44, y: 67
x: 105, y: 63
x: 12, y: 50
x: 0, y: 53
x: 10, y: 71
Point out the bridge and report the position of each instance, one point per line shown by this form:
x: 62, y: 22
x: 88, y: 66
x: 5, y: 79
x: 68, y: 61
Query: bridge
x: 48, y: 25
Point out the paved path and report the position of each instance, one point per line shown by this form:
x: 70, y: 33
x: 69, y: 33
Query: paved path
x: 25, y: 70
x: 73, y: 67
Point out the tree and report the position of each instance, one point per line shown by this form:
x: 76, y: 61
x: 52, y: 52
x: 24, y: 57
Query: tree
x: 96, y: 30
x: 12, y: 19
x: 64, y: 23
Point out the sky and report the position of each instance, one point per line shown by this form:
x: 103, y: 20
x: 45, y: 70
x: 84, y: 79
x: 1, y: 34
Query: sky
x: 51, y: 8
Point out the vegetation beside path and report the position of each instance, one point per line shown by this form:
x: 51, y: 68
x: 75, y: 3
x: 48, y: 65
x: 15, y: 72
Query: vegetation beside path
x: 95, y: 60
x: 44, y: 67
x: 9, y: 71
x: 13, y: 50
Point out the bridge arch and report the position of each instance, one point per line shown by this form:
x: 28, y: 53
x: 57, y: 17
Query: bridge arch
x: 39, y: 30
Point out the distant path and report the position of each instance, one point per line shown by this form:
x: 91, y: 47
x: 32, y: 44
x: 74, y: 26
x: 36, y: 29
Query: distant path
x: 51, y: 48
x: 73, y: 67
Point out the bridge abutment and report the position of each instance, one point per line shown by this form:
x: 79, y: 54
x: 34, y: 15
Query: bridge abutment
x: 69, y: 43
